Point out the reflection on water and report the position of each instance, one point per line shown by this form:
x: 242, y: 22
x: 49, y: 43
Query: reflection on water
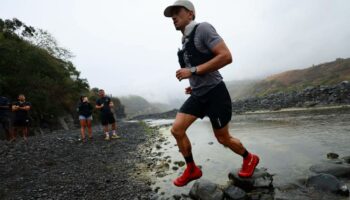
x: 288, y: 143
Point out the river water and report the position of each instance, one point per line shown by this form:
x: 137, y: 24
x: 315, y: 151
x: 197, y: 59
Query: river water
x: 288, y: 143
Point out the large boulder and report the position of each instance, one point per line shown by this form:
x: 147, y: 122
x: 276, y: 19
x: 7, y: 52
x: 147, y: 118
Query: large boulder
x: 327, y: 183
x: 235, y: 193
x: 205, y: 190
x: 338, y: 170
x: 260, y: 179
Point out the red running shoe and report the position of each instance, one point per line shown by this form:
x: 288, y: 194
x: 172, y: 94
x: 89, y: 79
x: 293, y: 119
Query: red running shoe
x: 192, y: 172
x: 249, y: 165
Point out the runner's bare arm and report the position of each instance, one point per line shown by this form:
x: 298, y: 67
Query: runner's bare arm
x: 222, y: 58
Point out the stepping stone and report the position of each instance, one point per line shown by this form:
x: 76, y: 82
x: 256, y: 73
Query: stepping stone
x: 206, y: 190
x: 260, y: 179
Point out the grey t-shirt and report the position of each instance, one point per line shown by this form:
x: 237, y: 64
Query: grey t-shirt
x: 205, y: 39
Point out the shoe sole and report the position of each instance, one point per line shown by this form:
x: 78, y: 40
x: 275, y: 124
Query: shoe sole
x: 192, y: 179
x: 246, y: 176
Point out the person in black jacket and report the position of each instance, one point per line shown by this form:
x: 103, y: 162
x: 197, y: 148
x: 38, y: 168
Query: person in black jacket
x: 5, y: 119
x: 85, y: 116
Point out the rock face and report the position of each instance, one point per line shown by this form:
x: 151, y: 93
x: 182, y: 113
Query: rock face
x: 205, y: 190
x: 327, y: 183
x: 309, y: 97
x: 338, y: 170
x: 260, y: 179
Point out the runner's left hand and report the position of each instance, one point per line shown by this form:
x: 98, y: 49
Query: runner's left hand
x: 183, y: 73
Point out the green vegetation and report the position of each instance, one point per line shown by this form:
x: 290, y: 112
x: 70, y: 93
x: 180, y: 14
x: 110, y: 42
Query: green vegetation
x: 32, y: 63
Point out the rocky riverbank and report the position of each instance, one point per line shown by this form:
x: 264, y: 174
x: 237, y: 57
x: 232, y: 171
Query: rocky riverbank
x: 321, y: 96
x: 309, y: 97
x: 58, y: 166
x: 165, y: 115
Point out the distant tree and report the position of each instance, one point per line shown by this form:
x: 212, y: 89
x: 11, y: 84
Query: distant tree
x: 37, y: 37
x: 39, y: 70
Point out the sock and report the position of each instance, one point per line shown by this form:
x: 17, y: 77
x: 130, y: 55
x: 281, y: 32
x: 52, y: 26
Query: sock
x: 114, y: 132
x: 245, y: 154
x: 189, y: 159
x: 106, y: 133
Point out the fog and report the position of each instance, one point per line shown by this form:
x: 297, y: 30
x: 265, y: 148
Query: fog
x: 129, y: 47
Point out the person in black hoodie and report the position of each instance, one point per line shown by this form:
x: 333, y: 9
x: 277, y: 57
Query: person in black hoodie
x: 85, y: 116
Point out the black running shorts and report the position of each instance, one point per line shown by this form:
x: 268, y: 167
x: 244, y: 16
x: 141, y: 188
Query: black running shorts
x: 216, y: 104
x: 107, y: 118
x: 21, y: 122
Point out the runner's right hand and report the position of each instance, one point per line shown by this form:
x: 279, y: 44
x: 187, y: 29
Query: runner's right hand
x: 188, y: 90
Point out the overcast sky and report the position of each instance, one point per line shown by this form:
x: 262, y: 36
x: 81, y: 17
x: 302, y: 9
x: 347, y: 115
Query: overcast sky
x: 129, y: 47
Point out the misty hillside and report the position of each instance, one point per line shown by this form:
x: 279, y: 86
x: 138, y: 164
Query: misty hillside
x: 137, y: 105
x: 329, y: 73
x: 240, y: 89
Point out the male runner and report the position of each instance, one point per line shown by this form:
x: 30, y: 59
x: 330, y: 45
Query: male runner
x: 104, y: 104
x: 203, y: 53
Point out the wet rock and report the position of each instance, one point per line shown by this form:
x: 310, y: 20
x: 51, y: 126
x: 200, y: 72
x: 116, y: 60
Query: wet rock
x: 205, y: 190
x: 332, y: 156
x: 155, y: 197
x: 338, y: 170
x: 161, y: 174
x: 263, y: 194
x: 335, y: 161
x: 156, y: 189
x: 260, y: 179
x: 180, y: 163
x: 346, y: 159
x: 176, y: 197
x: 327, y: 183
x: 235, y: 193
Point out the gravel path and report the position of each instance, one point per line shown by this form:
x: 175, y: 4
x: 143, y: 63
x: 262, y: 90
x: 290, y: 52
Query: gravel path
x: 57, y: 166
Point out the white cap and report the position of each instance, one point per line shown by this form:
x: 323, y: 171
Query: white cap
x: 179, y: 3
